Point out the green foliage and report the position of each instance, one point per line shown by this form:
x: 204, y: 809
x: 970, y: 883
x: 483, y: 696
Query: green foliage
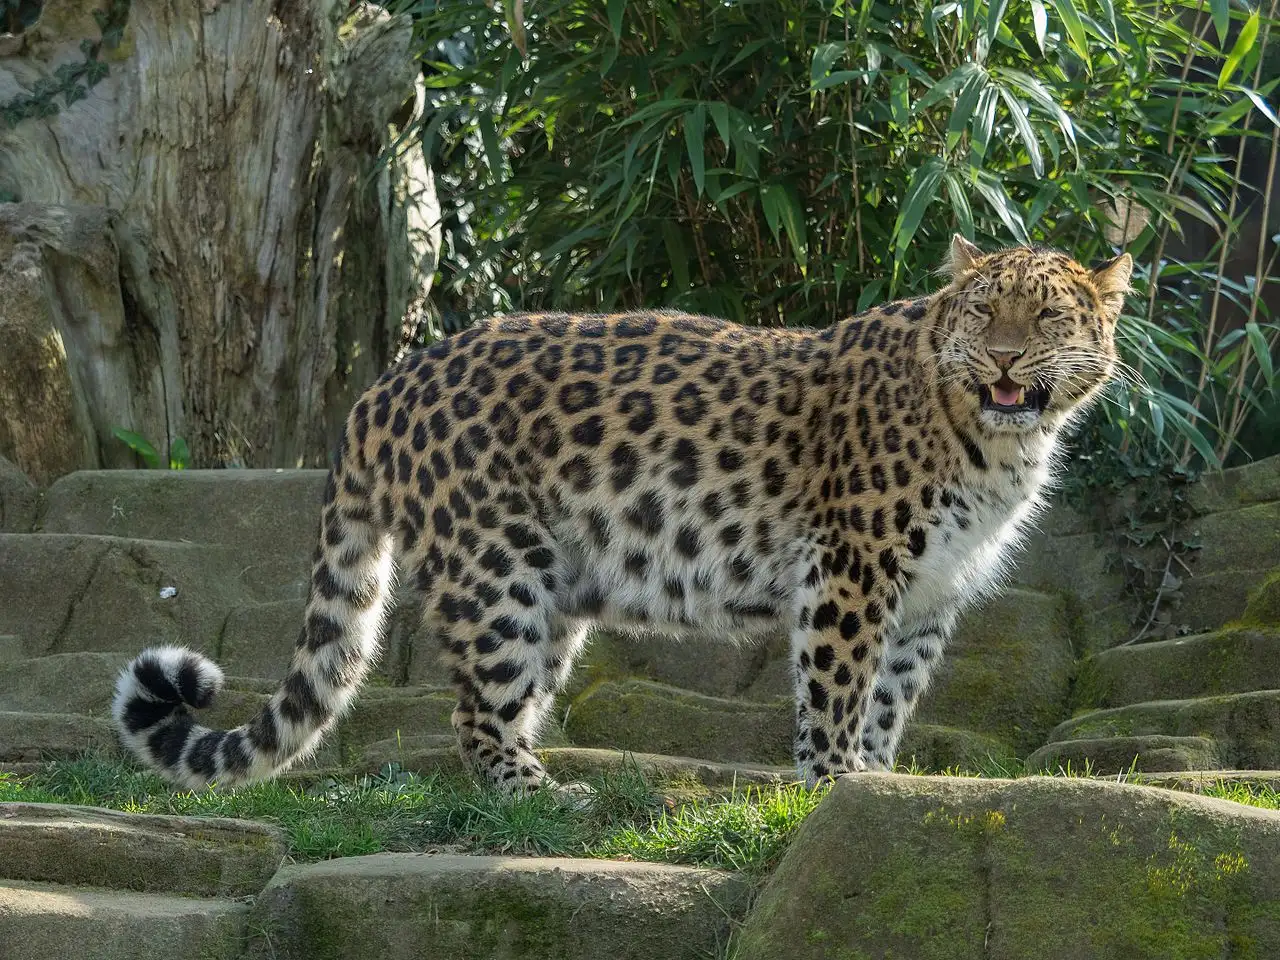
x: 794, y: 161
x: 179, y: 451
x: 625, y: 817
x: 70, y: 81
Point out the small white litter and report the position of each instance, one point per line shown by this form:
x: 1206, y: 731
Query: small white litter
x: 168, y: 593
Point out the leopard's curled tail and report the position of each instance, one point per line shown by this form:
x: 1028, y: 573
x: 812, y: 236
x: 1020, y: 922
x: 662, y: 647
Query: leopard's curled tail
x: 350, y: 582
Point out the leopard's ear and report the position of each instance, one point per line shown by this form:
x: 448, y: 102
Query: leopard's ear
x: 1112, y: 282
x: 962, y: 256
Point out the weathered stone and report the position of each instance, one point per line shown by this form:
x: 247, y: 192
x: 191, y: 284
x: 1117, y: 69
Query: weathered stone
x: 1197, y: 781
x: 646, y: 717
x: 572, y: 763
x: 192, y: 856
x: 64, y: 683
x: 270, y: 517
x: 423, y: 754
x: 911, y: 867
x: 1208, y: 600
x: 390, y: 713
x: 494, y: 908
x: 64, y: 593
x: 1263, y: 606
x: 1111, y: 755
x: 1243, y: 725
x: 1227, y: 661
x: 1244, y: 539
x: 258, y: 640
x: 19, y: 499
x: 1252, y: 483
x: 28, y: 737
x: 48, y: 922
x: 1008, y: 671
x: 716, y: 667
x: 934, y: 748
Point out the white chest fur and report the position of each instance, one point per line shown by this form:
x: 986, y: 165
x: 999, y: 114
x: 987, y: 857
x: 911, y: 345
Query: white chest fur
x: 972, y: 542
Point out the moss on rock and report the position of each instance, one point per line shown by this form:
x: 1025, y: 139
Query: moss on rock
x: 938, y: 869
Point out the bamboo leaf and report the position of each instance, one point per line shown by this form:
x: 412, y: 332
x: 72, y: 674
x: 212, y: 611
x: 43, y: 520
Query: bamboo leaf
x: 921, y: 193
x: 965, y: 105
x: 1221, y: 10
x: 1075, y: 30
x: 824, y: 56
x: 960, y: 204
x: 1262, y: 353
x: 1040, y: 22
x: 695, y: 125
x: 616, y: 9
x: 1018, y: 114
x: 1244, y: 43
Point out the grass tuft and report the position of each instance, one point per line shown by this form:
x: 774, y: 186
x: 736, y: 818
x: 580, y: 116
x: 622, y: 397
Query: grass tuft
x: 396, y: 811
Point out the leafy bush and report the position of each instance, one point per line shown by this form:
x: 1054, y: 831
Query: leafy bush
x: 794, y: 161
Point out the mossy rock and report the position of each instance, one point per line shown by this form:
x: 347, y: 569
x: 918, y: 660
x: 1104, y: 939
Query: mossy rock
x: 40, y: 921
x: 646, y: 717
x: 64, y: 683
x: 494, y: 908
x: 1110, y: 755
x: 1257, y: 482
x: 1007, y: 673
x: 1226, y: 661
x: 1242, y: 725
x: 33, y: 737
x: 391, y: 713
x: 270, y: 517
x: 952, y: 868
x: 1243, y: 539
x: 1263, y: 606
x: 713, y: 666
x: 71, y: 593
x: 19, y: 499
x: 934, y: 748
x: 192, y: 856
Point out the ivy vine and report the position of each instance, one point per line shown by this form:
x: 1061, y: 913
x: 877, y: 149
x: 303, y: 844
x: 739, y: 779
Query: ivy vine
x: 71, y: 81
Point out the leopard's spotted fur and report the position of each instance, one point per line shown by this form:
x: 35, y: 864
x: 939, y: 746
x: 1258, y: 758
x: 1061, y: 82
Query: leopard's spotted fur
x: 537, y: 474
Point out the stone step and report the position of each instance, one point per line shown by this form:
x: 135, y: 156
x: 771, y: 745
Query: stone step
x: 62, y: 683
x: 428, y: 755
x: 1242, y: 725
x: 1227, y: 661
x: 644, y: 717
x: 69, y: 593
x: 33, y: 737
x: 1196, y: 781
x: 498, y: 908
x: 1062, y: 867
x: 257, y: 512
x: 19, y: 499
x: 41, y: 921
x: 190, y: 856
x: 1111, y: 755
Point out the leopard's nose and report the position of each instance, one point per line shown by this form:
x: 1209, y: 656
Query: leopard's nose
x: 1005, y: 358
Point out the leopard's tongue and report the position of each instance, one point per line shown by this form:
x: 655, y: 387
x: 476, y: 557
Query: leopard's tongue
x: 1006, y: 398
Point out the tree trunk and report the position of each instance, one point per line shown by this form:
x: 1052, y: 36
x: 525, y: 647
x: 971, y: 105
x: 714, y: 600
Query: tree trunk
x: 202, y: 242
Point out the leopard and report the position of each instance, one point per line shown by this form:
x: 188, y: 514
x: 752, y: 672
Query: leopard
x: 854, y: 488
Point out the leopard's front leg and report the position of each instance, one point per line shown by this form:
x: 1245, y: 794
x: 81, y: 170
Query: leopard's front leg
x: 911, y: 655
x: 838, y: 648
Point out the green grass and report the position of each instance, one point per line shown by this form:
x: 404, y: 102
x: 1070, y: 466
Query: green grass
x: 627, y: 817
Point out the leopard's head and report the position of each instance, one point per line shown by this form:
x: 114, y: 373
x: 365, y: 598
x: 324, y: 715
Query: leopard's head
x: 1024, y: 337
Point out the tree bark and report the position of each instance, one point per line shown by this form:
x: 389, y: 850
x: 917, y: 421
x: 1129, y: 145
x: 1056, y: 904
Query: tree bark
x: 205, y: 243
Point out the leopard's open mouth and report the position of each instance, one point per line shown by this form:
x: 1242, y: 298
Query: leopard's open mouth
x: 1009, y: 396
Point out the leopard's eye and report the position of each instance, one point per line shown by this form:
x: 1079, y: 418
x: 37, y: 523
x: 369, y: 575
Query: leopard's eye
x: 1048, y: 313
x: 983, y: 309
